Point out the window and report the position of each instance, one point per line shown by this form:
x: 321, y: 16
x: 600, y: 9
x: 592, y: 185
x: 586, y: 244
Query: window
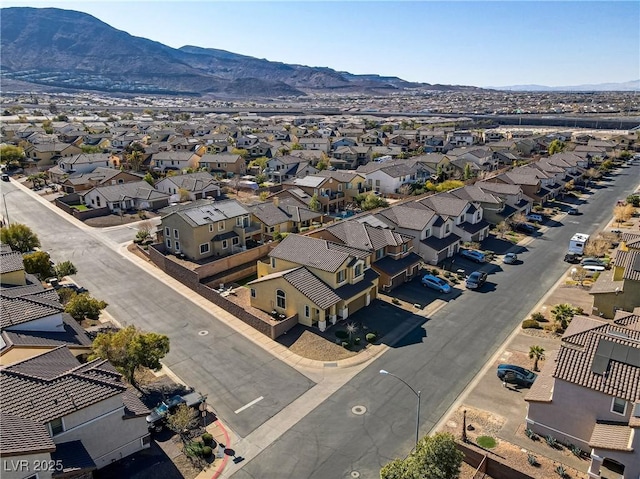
x: 379, y: 253
x: 168, y: 243
x: 238, y: 221
x: 235, y: 241
x: 447, y: 228
x: 405, y: 248
x: 340, y: 187
x: 225, y: 244
x: 273, y: 262
x: 253, y: 292
x: 281, y: 301
x: 204, y: 248
x: 176, y: 235
x: 341, y: 276
x: 56, y: 426
x: 220, y: 225
x: 619, y: 406
x: 177, y: 246
x: 146, y: 440
x: 211, y: 228
x: 357, y: 271
x: 167, y: 231
x: 377, y: 182
x: 98, y: 200
x: 307, y: 311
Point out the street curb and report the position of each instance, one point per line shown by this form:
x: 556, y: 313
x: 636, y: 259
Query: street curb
x: 225, y: 459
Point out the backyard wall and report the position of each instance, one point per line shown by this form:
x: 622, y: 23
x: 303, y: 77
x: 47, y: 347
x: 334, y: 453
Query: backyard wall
x: 492, y: 466
x: 65, y: 202
x: 246, y: 258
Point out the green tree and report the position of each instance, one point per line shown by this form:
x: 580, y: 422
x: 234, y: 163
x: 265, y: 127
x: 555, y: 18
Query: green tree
x: 89, y: 149
x: 240, y: 151
x: 314, y: 203
x: 184, y: 194
x: 444, y: 186
x: 135, y: 160
x: 83, y: 306
x: 46, y: 126
x: 11, y: 154
x: 372, y: 202
x: 562, y: 314
x: 130, y: 349
x: 537, y: 354
x: 435, y: 457
x: 149, y: 178
x: 38, y: 263
x: 66, y: 268
x: 19, y: 237
x: 467, y: 173
x: 261, y: 178
x: 322, y: 165
x: 260, y: 163
x: 297, y: 146
x: 556, y: 146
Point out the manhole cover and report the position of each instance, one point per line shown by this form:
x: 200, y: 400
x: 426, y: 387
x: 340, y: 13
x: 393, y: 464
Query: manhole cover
x: 203, y: 333
x: 358, y: 410
x: 355, y: 474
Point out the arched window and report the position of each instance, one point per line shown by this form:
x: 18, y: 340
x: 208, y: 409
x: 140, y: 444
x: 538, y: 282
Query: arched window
x: 280, y: 299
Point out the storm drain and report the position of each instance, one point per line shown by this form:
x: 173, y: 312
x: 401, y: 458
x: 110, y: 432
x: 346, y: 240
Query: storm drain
x: 203, y: 333
x: 358, y: 410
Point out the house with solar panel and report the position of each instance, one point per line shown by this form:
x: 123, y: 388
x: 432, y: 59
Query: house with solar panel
x: 589, y: 394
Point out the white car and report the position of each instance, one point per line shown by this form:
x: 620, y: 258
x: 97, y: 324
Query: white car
x: 534, y: 217
x: 510, y: 258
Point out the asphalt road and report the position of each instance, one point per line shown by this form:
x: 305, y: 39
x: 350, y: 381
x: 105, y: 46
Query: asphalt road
x: 224, y: 365
x: 440, y: 359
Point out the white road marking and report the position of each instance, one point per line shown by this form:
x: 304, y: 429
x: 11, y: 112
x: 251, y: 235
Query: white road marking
x: 248, y: 405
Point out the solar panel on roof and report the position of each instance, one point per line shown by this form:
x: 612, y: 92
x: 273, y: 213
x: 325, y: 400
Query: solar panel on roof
x: 600, y: 364
x: 636, y: 410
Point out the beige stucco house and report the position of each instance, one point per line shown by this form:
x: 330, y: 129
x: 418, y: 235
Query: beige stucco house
x: 319, y: 281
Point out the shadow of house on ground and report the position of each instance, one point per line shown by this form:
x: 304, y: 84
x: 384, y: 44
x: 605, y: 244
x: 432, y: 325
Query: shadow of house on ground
x: 149, y: 463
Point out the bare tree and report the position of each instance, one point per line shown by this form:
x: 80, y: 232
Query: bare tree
x: 503, y: 228
x: 597, y: 247
x: 183, y: 419
x: 580, y: 274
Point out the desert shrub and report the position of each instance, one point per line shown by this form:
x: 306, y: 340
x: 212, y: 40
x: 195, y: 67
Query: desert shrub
x: 345, y: 344
x: 530, y: 434
x: 575, y: 450
x: 395, y: 301
x: 434, y: 272
x: 532, y: 460
x: 561, y: 471
x: 371, y: 337
x: 342, y: 334
x: 539, y: 317
x: 207, y: 439
x: 356, y: 341
x: 207, y: 451
x: 531, y: 324
x: 551, y: 441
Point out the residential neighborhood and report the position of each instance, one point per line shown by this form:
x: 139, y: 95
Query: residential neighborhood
x: 328, y: 240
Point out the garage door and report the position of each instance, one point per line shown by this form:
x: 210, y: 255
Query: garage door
x: 357, y: 303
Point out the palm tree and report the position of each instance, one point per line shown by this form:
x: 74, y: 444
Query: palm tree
x: 351, y: 330
x: 536, y: 353
x: 562, y: 314
x: 135, y: 159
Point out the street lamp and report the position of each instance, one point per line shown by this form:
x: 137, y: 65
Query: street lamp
x: 417, y: 393
x: 4, y: 200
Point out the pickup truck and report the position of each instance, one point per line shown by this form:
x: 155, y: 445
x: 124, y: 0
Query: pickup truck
x: 157, y: 419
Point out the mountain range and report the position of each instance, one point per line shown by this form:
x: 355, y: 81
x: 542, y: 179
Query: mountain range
x: 73, y: 50
x: 624, y: 86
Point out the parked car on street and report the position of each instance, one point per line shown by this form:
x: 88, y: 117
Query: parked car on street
x: 525, y: 228
x: 5, y: 177
x: 510, y: 258
x: 509, y: 373
x: 434, y: 282
x: 572, y: 258
x: 534, y: 217
x: 573, y: 211
x: 593, y: 261
x: 473, y: 255
x: 476, y: 279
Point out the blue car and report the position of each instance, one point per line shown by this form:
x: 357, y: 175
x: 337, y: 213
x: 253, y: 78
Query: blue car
x: 434, y: 282
x: 473, y: 255
x: 509, y: 373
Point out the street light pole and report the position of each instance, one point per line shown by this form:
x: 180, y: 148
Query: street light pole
x: 4, y: 200
x: 417, y: 393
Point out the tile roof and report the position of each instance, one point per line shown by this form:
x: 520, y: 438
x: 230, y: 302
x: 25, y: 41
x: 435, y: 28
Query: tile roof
x: 311, y: 252
x: 312, y: 287
x: 23, y: 309
x: 616, y: 437
x: 204, y: 212
x: 499, y: 188
x: 364, y: 236
x: 392, y: 267
x: 193, y: 181
x: 350, y: 290
x: 135, y: 189
x: 542, y: 388
x: 10, y: 262
x: 133, y: 405
x: 415, y: 217
x: 473, y: 228
x: 55, y: 384
x: 632, y: 240
x: 309, y: 181
x: 605, y: 358
x: 19, y: 435
x: 438, y: 244
x: 445, y: 204
x: 630, y: 261
x: 72, y: 335
x: 476, y: 194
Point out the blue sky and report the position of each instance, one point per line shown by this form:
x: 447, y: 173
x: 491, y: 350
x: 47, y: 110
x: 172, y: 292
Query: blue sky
x: 470, y: 43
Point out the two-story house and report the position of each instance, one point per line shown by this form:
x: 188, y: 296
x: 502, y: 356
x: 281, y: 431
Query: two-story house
x: 388, y: 177
x: 468, y: 221
x: 321, y: 144
x: 529, y: 183
x: 350, y: 183
x: 224, y: 164
x: 392, y: 255
x: 511, y: 195
x: 174, y: 160
x: 286, y: 215
x: 319, y: 281
x: 589, y: 395
x: 198, y: 185
x: 55, y: 408
x: 207, y: 228
x: 326, y: 188
x: 619, y: 287
x: 100, y: 176
x: 283, y: 168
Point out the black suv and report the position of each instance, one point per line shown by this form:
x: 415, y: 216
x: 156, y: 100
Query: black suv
x: 525, y: 228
